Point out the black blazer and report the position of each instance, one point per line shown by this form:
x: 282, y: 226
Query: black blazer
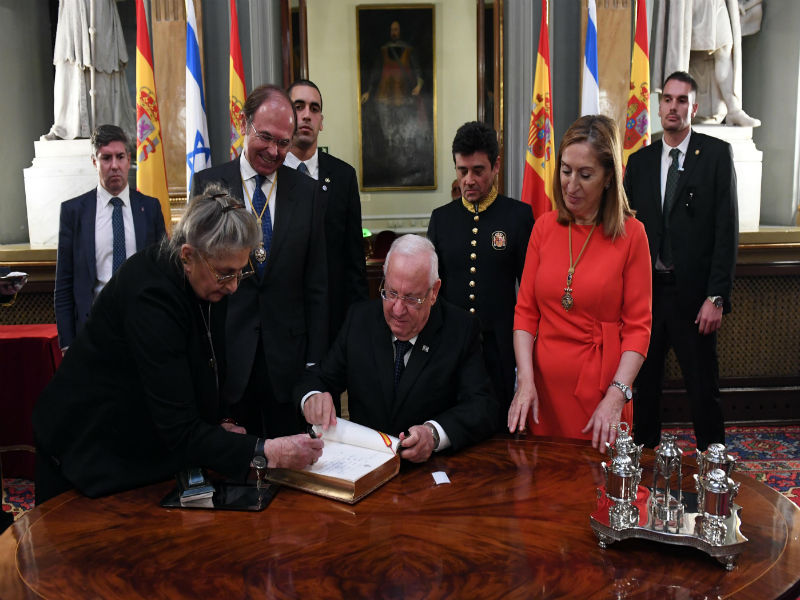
x: 288, y: 307
x: 135, y: 399
x: 76, y: 266
x: 704, y: 222
x: 347, y: 271
x: 445, y: 379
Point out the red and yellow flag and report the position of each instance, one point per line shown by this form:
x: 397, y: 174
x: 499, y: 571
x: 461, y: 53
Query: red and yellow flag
x: 151, y: 172
x: 237, y: 93
x: 637, y: 119
x: 537, y: 182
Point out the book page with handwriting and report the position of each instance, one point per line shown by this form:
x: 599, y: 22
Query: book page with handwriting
x: 347, y: 462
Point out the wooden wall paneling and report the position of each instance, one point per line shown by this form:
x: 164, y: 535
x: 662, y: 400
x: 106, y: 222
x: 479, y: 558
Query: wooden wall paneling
x: 169, y: 63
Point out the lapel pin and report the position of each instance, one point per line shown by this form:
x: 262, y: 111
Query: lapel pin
x: 324, y: 188
x: 696, y: 152
x: 327, y: 180
x: 425, y: 348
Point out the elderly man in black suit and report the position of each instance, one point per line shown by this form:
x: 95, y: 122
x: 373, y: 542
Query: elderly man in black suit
x: 278, y: 320
x: 338, y: 191
x: 99, y: 230
x: 683, y: 189
x: 412, y: 366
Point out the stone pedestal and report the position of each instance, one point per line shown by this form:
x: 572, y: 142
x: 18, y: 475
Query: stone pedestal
x: 61, y: 169
x: 747, y: 160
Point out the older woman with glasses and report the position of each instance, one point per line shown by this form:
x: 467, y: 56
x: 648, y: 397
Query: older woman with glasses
x: 136, y: 398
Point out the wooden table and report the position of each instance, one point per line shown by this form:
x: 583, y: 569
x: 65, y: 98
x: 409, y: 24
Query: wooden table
x: 513, y: 523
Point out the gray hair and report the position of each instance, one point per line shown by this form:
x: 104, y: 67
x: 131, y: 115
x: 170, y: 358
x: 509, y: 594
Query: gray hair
x: 414, y: 246
x: 215, y: 223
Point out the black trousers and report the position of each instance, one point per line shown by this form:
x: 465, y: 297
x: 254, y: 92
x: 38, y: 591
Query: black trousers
x: 259, y: 411
x: 49, y: 481
x: 697, y: 357
x: 501, y: 373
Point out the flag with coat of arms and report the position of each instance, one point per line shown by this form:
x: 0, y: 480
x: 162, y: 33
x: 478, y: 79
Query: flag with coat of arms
x: 537, y: 182
x: 151, y: 172
x: 238, y: 92
x: 637, y: 118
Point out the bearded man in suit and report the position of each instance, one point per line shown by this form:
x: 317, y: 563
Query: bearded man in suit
x: 98, y: 230
x: 412, y: 365
x: 683, y: 189
x: 277, y: 321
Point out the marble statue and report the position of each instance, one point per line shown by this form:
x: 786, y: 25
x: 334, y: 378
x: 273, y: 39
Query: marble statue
x: 74, y: 63
x: 704, y: 37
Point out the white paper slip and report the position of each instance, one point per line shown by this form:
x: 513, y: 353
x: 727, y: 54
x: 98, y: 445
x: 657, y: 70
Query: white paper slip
x: 440, y: 477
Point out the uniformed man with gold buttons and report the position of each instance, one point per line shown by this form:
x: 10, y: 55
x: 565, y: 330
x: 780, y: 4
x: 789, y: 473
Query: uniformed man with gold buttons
x: 481, y: 240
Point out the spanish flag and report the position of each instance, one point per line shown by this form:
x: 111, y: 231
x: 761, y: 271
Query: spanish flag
x: 238, y: 93
x: 151, y: 172
x: 637, y: 119
x: 537, y: 182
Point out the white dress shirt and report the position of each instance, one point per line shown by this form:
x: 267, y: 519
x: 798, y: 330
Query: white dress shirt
x: 312, y: 164
x: 104, y: 234
x: 249, y: 187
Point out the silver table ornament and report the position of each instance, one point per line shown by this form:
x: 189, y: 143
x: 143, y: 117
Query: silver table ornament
x: 715, y: 494
x: 706, y: 519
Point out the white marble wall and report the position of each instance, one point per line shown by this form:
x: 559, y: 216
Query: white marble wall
x: 61, y: 169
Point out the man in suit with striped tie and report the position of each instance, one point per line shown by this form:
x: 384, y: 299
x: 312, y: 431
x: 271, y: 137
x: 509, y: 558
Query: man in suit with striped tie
x: 98, y: 230
x: 277, y: 321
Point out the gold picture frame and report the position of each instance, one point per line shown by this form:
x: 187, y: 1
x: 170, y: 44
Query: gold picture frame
x: 397, y: 96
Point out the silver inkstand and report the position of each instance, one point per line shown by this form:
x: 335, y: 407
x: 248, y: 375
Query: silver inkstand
x: 706, y: 518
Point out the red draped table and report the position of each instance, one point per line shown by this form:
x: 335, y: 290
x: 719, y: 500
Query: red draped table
x: 29, y: 355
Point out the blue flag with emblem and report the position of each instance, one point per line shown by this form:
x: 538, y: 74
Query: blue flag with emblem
x: 198, y: 148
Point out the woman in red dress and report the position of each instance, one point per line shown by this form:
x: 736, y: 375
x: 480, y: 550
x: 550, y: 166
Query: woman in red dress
x: 583, y: 314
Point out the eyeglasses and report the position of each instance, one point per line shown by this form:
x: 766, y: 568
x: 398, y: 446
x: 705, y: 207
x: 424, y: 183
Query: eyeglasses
x: 409, y: 301
x: 266, y: 138
x: 223, y: 279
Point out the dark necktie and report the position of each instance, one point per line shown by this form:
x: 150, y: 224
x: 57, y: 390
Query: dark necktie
x: 400, y: 349
x: 259, y: 204
x: 118, y: 230
x: 665, y: 252
x: 303, y: 169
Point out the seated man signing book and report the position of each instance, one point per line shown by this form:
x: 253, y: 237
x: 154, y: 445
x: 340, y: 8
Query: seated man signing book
x: 412, y: 366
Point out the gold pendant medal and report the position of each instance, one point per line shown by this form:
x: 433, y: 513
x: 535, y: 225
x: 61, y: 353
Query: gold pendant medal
x: 260, y: 254
x: 566, y: 297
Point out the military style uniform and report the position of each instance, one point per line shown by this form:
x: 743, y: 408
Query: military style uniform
x: 481, y: 250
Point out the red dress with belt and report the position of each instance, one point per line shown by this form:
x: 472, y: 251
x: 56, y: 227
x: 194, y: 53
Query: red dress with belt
x: 577, y: 352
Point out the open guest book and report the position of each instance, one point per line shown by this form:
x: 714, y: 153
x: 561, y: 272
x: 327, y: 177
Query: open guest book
x: 355, y: 461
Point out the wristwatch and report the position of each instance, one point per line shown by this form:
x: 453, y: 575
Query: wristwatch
x: 715, y: 300
x: 435, y: 433
x: 626, y: 390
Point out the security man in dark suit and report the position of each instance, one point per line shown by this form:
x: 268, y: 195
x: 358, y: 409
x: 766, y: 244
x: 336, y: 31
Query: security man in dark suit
x: 412, y: 365
x: 98, y: 230
x: 338, y: 192
x: 277, y: 321
x: 683, y: 189
x: 481, y: 240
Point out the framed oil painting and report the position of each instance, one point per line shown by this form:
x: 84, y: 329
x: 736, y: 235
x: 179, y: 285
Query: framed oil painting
x: 397, y: 96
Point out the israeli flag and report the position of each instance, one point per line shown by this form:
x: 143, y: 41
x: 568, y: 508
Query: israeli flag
x: 590, y: 90
x: 198, y: 148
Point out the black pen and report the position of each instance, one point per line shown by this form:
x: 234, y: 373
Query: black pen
x: 311, y: 433
x: 400, y: 446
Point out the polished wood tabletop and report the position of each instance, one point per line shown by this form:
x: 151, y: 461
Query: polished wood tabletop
x: 512, y: 523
